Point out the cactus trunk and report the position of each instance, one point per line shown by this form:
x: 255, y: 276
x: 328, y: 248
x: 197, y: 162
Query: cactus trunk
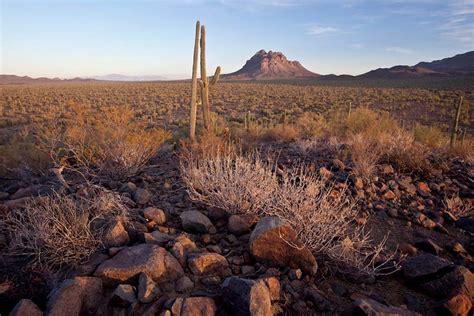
x: 204, y: 80
x: 192, y: 128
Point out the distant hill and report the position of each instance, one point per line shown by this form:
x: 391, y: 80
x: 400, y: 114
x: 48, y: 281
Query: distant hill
x: 459, y: 65
x: 118, y: 77
x: 12, y: 79
x: 271, y: 65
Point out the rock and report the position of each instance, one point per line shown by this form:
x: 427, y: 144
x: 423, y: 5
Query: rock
x: 155, y: 215
x: 325, y: 173
x: 387, y: 169
x: 26, y: 307
x: 338, y: 164
x: 142, y: 196
x: 423, y: 189
x: 241, y: 224
x: 458, y: 305
x: 147, y: 289
x: 273, y: 285
x: 129, y: 187
x: 209, y: 264
x: 245, y: 297
x: 91, y: 264
x: 429, y: 246
x: 457, y: 247
x: 115, y: 235
x: 184, y: 285
x: 65, y: 299
x: 358, y: 183
x: 370, y: 307
x: 155, y: 261
x: 124, y: 295
x: 274, y: 242
x: 194, y: 306
x: 423, y: 265
x: 295, y: 274
x: 157, y: 238
x: 389, y: 195
x: 182, y: 247
x: 466, y: 223
x: 195, y: 222
x: 93, y: 293
x: 317, y: 298
x: 406, y: 185
x: 460, y: 280
x: 408, y: 250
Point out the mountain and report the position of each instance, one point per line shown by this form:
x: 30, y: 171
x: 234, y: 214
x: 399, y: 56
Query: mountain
x: 459, y: 65
x: 13, y: 79
x: 118, y: 77
x: 271, y: 65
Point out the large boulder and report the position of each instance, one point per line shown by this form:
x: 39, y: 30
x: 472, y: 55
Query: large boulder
x: 66, y: 299
x: 275, y: 243
x: 194, y: 306
x: 208, y: 264
x: 460, y: 280
x: 195, y: 222
x: 92, y: 293
x: 244, y: 297
x: 26, y: 307
x: 423, y: 266
x: 152, y: 260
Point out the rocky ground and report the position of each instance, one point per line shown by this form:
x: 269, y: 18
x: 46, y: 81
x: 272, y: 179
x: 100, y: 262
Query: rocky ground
x: 176, y: 257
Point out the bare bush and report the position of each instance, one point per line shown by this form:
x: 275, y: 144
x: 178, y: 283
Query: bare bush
x: 365, y: 155
x: 234, y: 182
x: 111, y: 144
x: 322, y: 216
x: 60, y: 231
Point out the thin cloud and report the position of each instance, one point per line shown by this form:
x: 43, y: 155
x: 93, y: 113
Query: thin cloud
x: 321, y: 30
x: 399, y: 50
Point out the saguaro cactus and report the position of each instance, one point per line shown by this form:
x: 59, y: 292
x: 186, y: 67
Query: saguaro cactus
x: 456, y: 123
x: 192, y: 128
x: 200, y: 40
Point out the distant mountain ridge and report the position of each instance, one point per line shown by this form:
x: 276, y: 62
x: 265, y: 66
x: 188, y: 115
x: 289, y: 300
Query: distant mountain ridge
x: 13, y: 79
x: 271, y: 65
x: 119, y: 77
x: 458, y: 65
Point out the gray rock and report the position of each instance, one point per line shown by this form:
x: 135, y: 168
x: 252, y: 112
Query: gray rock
x: 245, y: 297
x: 241, y: 224
x: 26, y: 307
x: 184, y: 285
x: 142, y: 196
x: 65, y: 299
x: 195, y: 222
x: 423, y: 266
x: 124, y: 295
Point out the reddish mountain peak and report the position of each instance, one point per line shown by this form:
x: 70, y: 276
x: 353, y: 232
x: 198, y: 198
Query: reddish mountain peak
x: 270, y: 65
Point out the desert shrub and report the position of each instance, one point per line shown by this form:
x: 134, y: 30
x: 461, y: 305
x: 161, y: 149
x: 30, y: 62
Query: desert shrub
x: 430, y: 136
x: 365, y: 154
x: 322, y: 217
x: 60, y: 231
x: 228, y: 180
x: 463, y: 149
x: 457, y: 206
x: 109, y: 143
x: 282, y: 133
x: 312, y: 124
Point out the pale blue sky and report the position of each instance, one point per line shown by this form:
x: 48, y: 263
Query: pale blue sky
x: 64, y: 38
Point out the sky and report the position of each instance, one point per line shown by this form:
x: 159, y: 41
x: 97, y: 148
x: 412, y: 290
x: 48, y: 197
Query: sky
x: 69, y: 38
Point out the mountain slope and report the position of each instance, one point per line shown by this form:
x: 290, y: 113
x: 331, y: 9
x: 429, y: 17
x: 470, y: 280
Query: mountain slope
x: 271, y: 65
x: 13, y: 79
x: 462, y: 64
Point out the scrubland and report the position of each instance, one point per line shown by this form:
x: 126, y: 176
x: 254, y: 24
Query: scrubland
x: 363, y: 177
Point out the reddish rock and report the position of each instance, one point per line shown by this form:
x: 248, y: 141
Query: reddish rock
x: 241, y: 224
x: 155, y: 215
x: 209, y: 264
x: 423, y: 189
x: 115, y: 235
x: 194, y: 306
x: 155, y: 261
x: 182, y: 247
x: 458, y: 305
x: 370, y: 307
x: 93, y: 293
x: 147, y: 289
x: 275, y: 243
